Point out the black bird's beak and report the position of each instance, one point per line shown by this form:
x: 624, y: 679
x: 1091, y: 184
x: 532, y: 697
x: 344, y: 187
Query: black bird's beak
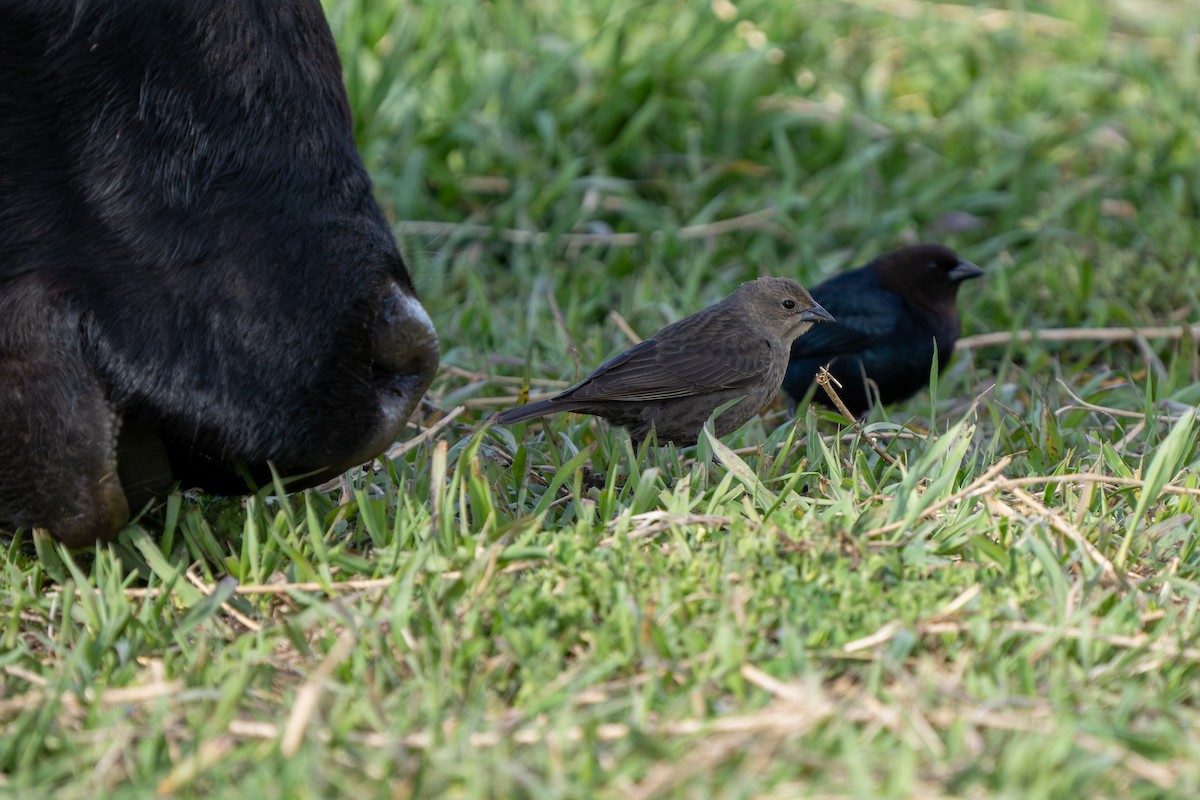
x: 818, y: 314
x: 963, y: 270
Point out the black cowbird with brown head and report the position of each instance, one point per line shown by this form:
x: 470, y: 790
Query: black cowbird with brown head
x: 890, y: 313
x: 672, y: 382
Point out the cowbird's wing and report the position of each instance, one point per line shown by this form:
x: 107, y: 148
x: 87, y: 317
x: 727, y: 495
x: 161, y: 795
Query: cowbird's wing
x: 866, y: 315
x: 679, y: 366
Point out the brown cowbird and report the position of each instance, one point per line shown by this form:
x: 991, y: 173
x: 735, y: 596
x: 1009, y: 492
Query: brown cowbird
x: 672, y: 382
x: 889, y: 315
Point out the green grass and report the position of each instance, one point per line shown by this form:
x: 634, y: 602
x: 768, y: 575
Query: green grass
x: 541, y: 612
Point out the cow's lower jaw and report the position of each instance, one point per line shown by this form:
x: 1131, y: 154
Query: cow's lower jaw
x: 92, y: 507
x: 107, y: 514
x: 100, y: 512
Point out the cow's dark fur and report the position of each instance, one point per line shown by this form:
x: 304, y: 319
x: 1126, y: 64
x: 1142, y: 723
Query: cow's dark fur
x: 190, y: 259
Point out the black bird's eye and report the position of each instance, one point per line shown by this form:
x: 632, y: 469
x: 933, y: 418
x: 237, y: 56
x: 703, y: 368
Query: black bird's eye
x: 789, y: 304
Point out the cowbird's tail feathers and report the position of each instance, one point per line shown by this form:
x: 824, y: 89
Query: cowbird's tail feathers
x: 528, y: 411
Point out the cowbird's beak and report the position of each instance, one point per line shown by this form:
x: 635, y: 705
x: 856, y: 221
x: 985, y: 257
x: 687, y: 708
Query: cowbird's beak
x: 817, y: 314
x: 963, y: 270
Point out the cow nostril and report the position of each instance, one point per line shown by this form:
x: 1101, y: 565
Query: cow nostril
x: 405, y: 341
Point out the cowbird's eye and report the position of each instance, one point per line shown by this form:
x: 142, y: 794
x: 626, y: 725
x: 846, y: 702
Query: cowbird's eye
x: 789, y: 304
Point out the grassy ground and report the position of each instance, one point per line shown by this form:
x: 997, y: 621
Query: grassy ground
x: 1010, y: 610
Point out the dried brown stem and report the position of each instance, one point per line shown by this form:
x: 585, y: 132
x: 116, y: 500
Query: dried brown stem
x: 1108, y: 573
x: 983, y: 483
x: 755, y: 220
x: 626, y: 329
x: 1076, y: 335
x: 826, y: 381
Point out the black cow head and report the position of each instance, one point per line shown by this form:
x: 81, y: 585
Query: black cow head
x: 194, y: 277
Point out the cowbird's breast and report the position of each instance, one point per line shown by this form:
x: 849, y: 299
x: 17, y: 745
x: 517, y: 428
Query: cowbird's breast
x: 899, y: 364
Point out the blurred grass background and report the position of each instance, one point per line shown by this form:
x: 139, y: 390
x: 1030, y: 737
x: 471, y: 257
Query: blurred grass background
x: 540, y: 612
x: 1055, y: 145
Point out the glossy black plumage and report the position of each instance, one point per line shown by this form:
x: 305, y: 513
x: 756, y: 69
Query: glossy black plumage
x: 672, y: 382
x: 889, y: 313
